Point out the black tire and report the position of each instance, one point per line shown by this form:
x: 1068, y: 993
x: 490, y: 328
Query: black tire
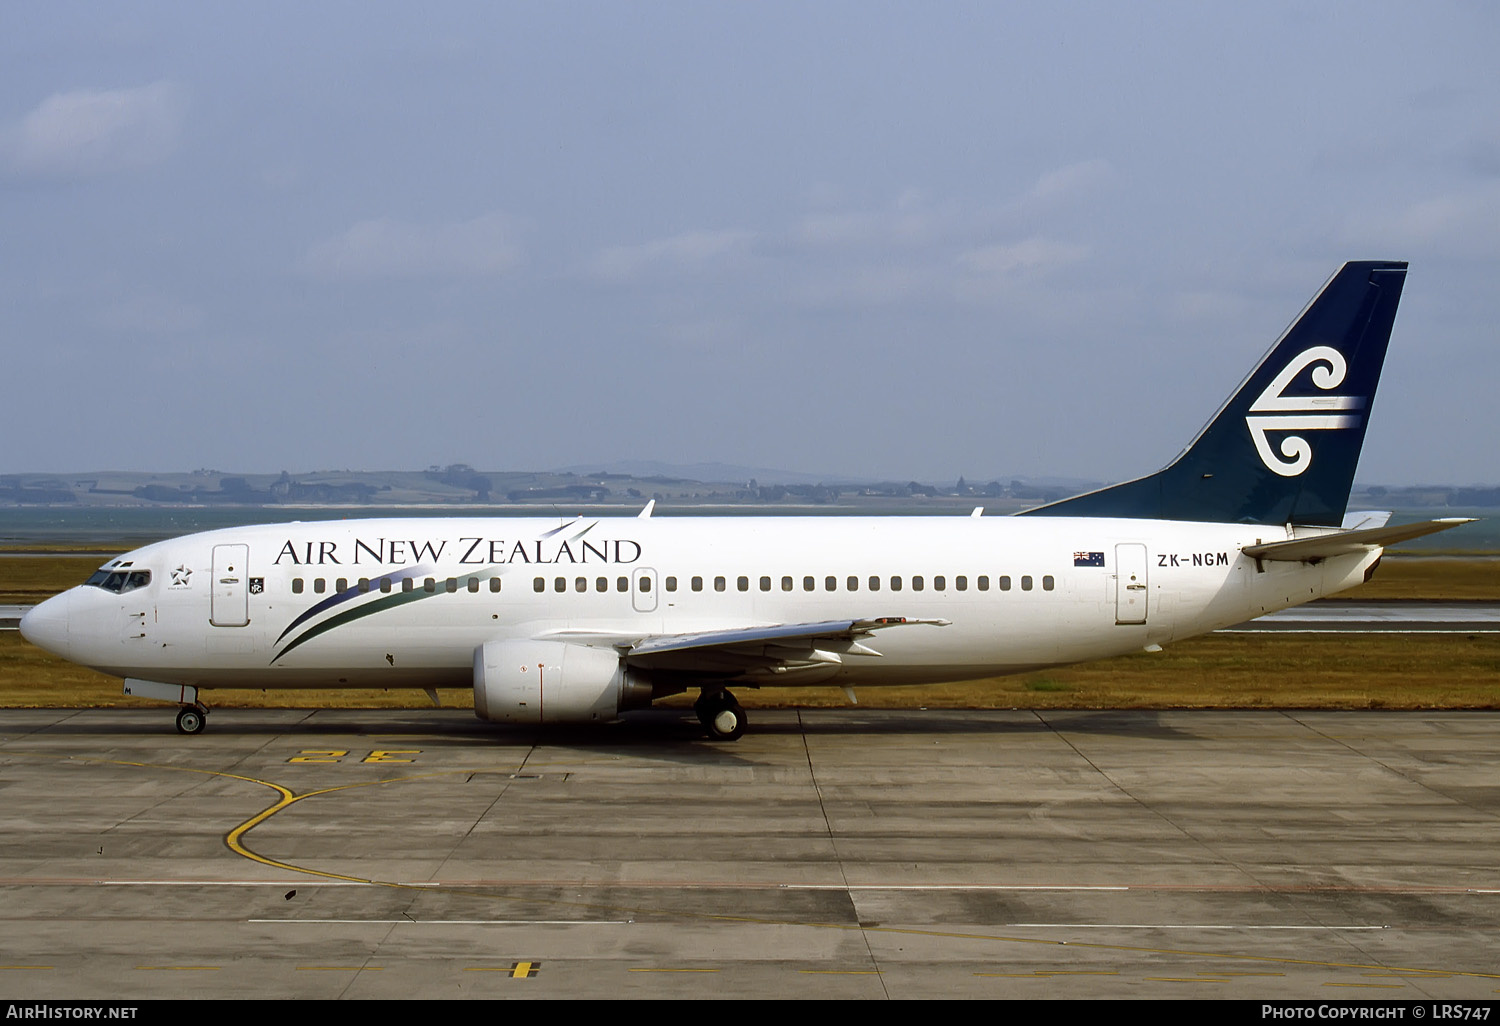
x: 709, y: 702
x: 190, y: 720
x: 727, y: 722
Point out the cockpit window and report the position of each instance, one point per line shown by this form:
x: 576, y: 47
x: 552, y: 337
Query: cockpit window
x: 119, y: 581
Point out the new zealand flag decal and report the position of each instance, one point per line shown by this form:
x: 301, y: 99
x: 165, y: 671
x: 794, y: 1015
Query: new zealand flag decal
x: 1088, y: 559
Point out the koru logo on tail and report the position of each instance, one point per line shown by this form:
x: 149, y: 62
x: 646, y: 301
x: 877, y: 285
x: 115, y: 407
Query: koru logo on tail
x: 1276, y: 412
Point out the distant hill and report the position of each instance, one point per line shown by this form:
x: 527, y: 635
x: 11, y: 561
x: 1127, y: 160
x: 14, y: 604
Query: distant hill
x: 626, y: 484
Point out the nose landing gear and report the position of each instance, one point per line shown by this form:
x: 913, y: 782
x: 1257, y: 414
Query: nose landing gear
x: 191, y: 719
x: 192, y: 715
x: 721, y: 715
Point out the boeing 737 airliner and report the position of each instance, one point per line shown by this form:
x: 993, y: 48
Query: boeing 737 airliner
x: 577, y: 620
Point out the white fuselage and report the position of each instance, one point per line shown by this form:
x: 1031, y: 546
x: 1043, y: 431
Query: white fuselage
x: 284, y: 605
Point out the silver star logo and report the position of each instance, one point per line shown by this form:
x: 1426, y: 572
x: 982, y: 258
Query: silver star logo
x: 180, y: 577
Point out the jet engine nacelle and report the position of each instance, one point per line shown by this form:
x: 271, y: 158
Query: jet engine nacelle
x: 540, y: 682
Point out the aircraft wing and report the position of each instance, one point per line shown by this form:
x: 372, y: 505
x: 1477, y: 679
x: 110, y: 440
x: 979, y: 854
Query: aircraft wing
x: 770, y: 648
x: 1302, y: 550
x: 786, y: 633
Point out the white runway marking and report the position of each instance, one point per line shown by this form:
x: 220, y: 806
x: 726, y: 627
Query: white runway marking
x: 952, y: 887
x: 1180, y: 926
x: 447, y: 921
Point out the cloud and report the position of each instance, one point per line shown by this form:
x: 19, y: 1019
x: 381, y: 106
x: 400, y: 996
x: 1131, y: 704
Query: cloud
x: 1071, y: 182
x: 998, y: 271
x: 1028, y: 255
x: 385, y: 248
x: 88, y: 133
x: 685, y: 251
x: 911, y: 220
x: 913, y: 248
x: 869, y: 285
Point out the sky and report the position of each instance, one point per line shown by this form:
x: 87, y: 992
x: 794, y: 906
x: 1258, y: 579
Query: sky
x: 886, y: 240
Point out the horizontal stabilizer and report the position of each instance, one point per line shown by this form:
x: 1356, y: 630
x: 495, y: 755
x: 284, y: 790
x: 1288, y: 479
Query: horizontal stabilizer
x: 1324, y: 546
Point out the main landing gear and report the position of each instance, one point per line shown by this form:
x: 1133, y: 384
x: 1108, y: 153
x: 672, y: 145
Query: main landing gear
x: 191, y: 719
x: 720, y: 715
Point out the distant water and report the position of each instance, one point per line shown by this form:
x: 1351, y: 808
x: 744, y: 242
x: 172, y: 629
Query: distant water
x: 137, y: 526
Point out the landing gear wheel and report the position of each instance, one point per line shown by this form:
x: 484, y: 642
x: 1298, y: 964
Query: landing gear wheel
x: 721, y: 716
x: 727, y: 724
x: 191, y: 720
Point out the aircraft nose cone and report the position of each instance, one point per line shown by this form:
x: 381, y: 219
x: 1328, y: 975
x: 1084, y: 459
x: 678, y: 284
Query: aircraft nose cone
x: 46, y: 625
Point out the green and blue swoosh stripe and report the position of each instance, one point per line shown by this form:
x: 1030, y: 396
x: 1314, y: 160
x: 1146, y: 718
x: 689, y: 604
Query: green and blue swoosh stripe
x: 383, y: 600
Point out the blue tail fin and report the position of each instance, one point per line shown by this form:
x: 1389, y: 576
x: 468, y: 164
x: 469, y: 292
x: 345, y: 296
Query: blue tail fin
x: 1283, y: 449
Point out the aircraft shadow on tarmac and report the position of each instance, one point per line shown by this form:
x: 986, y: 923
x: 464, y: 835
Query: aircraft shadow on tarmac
x: 458, y: 728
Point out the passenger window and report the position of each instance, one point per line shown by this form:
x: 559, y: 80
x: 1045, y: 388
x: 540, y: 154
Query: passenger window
x: 601, y: 583
x: 895, y: 584
x: 916, y: 584
x: 742, y: 583
x: 808, y: 584
x: 364, y: 584
x: 983, y: 582
x: 385, y: 585
x: 1047, y: 583
x: 559, y: 584
x: 697, y: 584
x: 408, y: 583
x: 645, y: 583
x: 494, y: 585
x: 473, y: 585
x: 874, y: 583
x: 622, y: 584
x: 830, y: 584
x: 580, y: 584
x: 765, y: 583
x: 296, y: 586
x: 852, y: 583
x: 429, y: 585
x: 539, y: 584
x: 719, y: 584
x: 452, y: 585
x: 343, y: 584
x: 1025, y: 583
x: 671, y: 584
x: 786, y: 584
x: 939, y: 584
x: 320, y: 586
x: 1005, y: 584
x: 961, y: 583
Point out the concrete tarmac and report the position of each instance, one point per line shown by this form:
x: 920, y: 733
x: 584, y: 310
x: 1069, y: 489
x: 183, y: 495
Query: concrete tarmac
x: 827, y: 854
